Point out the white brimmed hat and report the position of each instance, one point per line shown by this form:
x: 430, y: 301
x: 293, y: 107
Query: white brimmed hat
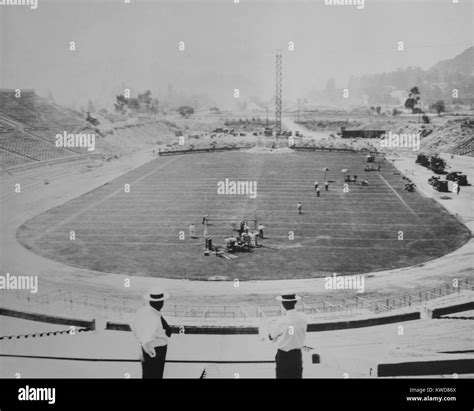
x: 288, y: 296
x: 156, y: 294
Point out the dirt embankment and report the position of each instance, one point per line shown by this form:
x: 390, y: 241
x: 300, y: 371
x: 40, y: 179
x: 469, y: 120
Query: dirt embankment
x: 442, y: 134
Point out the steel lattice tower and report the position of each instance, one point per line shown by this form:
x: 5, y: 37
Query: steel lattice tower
x: 278, y: 93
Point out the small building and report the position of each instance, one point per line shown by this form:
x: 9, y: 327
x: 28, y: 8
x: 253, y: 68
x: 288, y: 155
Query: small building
x: 361, y: 133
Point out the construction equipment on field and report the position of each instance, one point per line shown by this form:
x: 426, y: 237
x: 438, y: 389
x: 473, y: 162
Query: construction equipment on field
x: 458, y: 177
x: 422, y: 160
x: 434, y: 163
x: 370, y: 158
x: 437, y: 164
x: 433, y: 180
x: 240, y: 243
x: 370, y: 168
x: 441, y: 186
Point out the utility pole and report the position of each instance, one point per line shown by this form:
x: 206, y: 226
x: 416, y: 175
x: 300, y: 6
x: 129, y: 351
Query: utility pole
x: 278, y: 93
x: 299, y: 101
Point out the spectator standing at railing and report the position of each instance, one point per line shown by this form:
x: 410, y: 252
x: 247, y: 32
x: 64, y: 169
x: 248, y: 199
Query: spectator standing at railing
x: 289, y: 334
x: 153, y: 333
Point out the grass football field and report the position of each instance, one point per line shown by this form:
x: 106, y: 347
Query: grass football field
x: 137, y: 231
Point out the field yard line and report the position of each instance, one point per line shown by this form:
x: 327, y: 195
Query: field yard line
x: 273, y: 223
x: 92, y: 205
x: 196, y: 244
x: 223, y: 234
x: 398, y: 195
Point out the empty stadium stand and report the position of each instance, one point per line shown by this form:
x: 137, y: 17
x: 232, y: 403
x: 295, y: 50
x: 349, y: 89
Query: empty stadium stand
x: 465, y: 149
x: 28, y: 126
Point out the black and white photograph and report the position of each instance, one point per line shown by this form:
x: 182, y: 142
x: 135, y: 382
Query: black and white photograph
x: 231, y: 190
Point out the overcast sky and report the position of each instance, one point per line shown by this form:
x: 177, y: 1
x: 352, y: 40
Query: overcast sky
x: 227, y: 45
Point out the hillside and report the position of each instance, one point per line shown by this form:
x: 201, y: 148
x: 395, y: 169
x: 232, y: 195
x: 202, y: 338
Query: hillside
x: 462, y: 64
x: 436, y: 83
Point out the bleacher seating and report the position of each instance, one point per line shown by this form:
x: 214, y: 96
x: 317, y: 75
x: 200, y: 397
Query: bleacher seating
x: 22, y: 144
x: 21, y: 110
x: 5, y: 128
x: 465, y: 149
x: 38, y: 122
x: 9, y: 159
x: 49, y: 135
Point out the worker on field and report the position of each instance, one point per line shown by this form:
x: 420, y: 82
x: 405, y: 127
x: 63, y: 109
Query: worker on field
x: 261, y: 227
x: 153, y: 333
x: 316, y: 185
x: 299, y: 206
x: 208, y: 242
x: 242, y: 227
x: 289, y: 334
x: 246, y: 227
x: 204, y: 219
x: 456, y: 188
x: 326, y: 186
x: 192, y: 230
x: 253, y: 238
x: 318, y: 193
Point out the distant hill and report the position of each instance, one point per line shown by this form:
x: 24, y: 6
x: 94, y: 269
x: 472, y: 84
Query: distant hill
x: 462, y: 64
x: 436, y: 83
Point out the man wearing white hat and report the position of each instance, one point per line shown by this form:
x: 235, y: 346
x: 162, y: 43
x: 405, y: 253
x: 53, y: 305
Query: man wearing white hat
x: 153, y: 333
x: 289, y: 334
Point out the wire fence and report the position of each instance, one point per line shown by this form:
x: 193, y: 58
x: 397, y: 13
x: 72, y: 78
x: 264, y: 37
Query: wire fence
x: 122, y: 308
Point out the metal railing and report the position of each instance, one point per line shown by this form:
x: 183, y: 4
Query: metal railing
x: 121, y: 307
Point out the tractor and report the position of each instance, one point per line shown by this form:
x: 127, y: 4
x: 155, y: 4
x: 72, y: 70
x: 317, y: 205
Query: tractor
x: 437, y: 164
x: 422, y: 160
x: 458, y: 177
x: 441, y: 186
